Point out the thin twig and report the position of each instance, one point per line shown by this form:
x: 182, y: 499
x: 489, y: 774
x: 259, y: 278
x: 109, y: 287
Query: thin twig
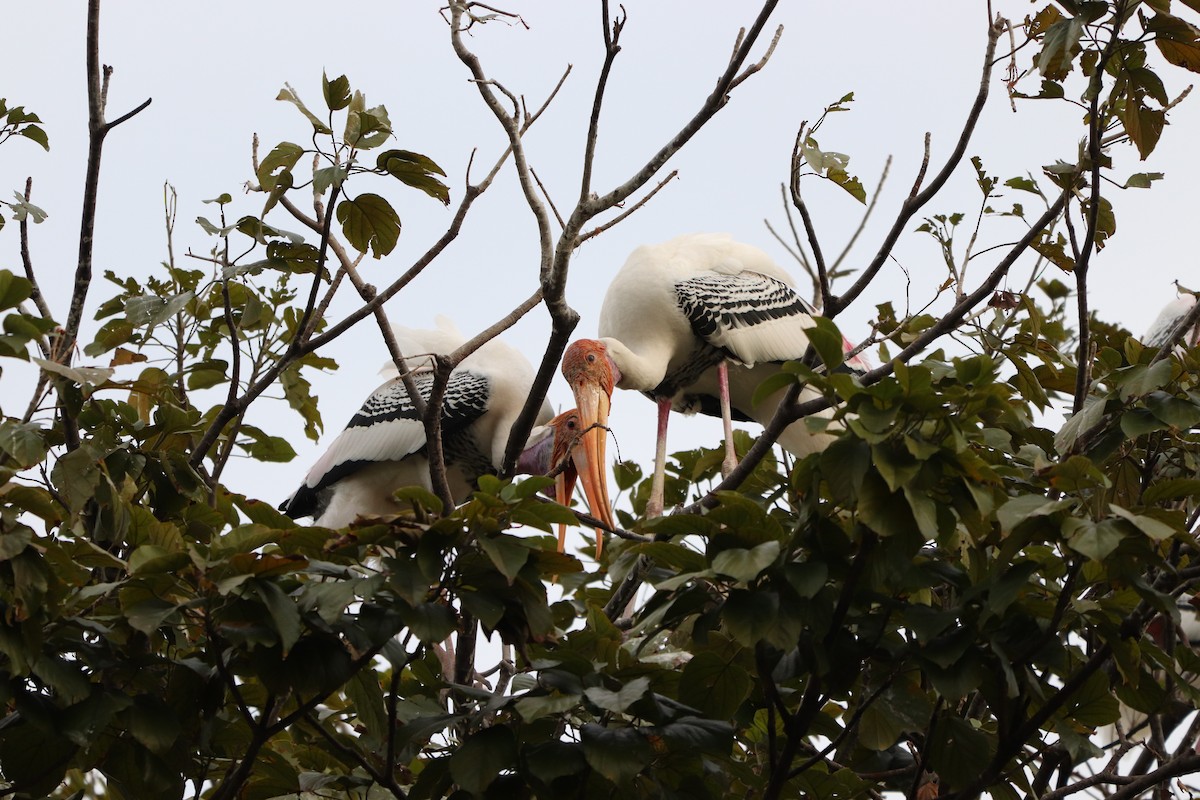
x: 36, y: 293
x: 919, y: 198
x: 599, y: 229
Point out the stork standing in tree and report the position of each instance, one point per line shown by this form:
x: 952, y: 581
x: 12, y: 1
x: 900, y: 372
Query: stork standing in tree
x: 696, y: 324
x: 383, y: 448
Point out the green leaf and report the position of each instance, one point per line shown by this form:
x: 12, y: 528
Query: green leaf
x: 262, y: 447
x: 369, y: 222
x: 1142, y: 180
x: 828, y: 341
x: 618, y: 754
x: 750, y: 616
x: 34, y: 133
x: 482, y: 757
x: 959, y: 751
x: 1176, y: 39
x: 415, y: 170
x: 745, y: 565
x: 1143, y: 125
x: 288, y: 94
x: 531, y: 707
x: 283, y: 610
x: 366, y: 697
x: 280, y: 160
x: 430, y: 622
x: 1059, y: 47
x: 696, y: 735
x: 714, y: 684
x: 1156, y: 530
x: 508, y: 555
x: 23, y: 442
x: 843, y: 465
x: 14, y: 289
x: 617, y: 702
x: 1096, y: 540
x: 337, y: 91
x: 878, y: 728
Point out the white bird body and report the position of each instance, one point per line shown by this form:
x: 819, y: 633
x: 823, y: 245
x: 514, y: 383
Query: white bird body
x: 696, y: 324
x: 1164, y: 323
x: 382, y: 449
x: 675, y: 310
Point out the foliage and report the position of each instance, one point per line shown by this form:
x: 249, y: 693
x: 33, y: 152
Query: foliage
x: 957, y: 592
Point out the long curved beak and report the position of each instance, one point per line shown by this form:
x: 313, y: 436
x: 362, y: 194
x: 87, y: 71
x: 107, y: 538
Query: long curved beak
x: 589, y: 453
x: 564, y: 487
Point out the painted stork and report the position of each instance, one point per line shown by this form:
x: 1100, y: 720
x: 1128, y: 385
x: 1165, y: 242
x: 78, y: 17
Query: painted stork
x: 696, y: 324
x: 383, y: 447
x: 1164, y: 323
x: 560, y: 448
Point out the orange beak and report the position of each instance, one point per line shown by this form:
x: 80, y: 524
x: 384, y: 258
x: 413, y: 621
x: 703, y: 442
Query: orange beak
x: 588, y: 370
x: 573, y: 441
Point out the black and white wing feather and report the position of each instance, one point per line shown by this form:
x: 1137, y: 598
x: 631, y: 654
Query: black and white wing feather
x: 750, y: 317
x: 387, y: 428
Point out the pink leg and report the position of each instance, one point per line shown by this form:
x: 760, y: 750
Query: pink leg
x: 731, y: 460
x: 654, y: 506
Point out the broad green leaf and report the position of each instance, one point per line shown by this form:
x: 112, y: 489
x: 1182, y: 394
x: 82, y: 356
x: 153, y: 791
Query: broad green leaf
x: 369, y: 223
x: 617, y: 753
x: 336, y: 91
x: 483, y: 756
x: 714, y: 684
x: 415, y: 170
x: 508, y: 555
x: 14, y: 289
x: 280, y: 160
x: 959, y: 751
x: 24, y: 442
x: 745, y: 565
x: 617, y: 702
x: 1156, y: 530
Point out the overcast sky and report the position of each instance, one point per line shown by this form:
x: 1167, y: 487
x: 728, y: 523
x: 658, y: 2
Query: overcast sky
x: 213, y: 70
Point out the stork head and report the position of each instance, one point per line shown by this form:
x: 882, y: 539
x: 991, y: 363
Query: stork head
x: 591, y: 373
x: 558, y: 447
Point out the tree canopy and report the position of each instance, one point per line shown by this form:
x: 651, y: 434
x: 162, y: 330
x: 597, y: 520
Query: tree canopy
x: 963, y: 594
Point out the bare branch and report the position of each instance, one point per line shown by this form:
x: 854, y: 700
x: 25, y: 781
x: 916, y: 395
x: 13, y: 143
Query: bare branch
x: 810, y: 231
x: 914, y: 202
x: 599, y: 229
x: 546, y: 194
x: 862, y: 224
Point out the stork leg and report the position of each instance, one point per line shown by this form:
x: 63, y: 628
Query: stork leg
x: 654, y: 506
x: 731, y: 460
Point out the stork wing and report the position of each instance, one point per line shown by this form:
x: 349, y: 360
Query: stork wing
x: 388, y: 428
x: 750, y: 316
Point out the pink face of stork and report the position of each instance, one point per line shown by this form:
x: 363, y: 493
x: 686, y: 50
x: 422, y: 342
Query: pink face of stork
x: 591, y: 374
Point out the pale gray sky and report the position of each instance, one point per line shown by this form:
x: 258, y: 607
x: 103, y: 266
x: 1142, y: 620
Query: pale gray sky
x: 214, y: 69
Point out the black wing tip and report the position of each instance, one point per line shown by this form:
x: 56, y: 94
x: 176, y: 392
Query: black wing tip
x: 302, y: 503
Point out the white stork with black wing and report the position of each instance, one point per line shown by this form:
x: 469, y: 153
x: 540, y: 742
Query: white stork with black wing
x: 383, y: 448
x: 697, y: 324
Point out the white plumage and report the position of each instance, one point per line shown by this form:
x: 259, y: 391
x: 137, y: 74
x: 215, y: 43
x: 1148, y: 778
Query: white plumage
x: 1164, y: 323
x: 382, y: 448
x: 676, y: 309
x: 680, y: 313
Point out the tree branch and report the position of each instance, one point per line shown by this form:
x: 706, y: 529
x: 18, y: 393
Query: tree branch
x: 919, y: 198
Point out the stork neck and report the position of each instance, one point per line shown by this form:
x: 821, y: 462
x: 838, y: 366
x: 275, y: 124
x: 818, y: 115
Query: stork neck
x: 641, y: 371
